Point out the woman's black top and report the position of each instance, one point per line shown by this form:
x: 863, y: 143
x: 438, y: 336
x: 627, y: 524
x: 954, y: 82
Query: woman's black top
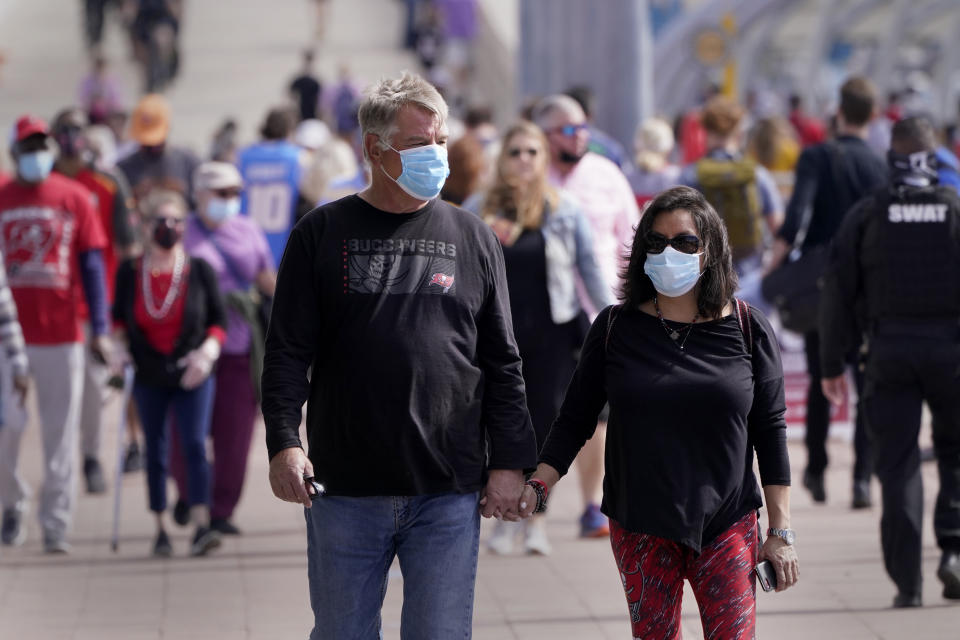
x: 683, y: 424
x: 525, y: 262
x: 202, y: 310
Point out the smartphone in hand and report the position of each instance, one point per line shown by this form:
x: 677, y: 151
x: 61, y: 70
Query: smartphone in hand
x: 766, y: 575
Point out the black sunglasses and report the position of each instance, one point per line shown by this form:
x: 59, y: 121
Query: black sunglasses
x: 684, y: 243
x: 516, y: 153
x: 168, y: 221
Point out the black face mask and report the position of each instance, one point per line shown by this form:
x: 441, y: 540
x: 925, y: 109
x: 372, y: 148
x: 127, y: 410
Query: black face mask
x: 915, y: 169
x: 570, y: 158
x: 154, y: 150
x: 165, y: 235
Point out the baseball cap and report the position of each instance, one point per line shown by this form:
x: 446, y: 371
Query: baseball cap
x: 28, y: 126
x: 311, y: 134
x: 150, y: 121
x: 216, y: 175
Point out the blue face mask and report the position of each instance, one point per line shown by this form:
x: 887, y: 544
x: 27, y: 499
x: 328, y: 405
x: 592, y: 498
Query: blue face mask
x: 425, y: 169
x: 219, y: 209
x: 673, y: 272
x: 35, y: 166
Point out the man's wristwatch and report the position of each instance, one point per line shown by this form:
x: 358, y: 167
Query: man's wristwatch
x: 787, y: 535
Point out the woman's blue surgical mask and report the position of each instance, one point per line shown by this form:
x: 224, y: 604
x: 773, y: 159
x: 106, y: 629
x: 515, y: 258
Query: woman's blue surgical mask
x: 35, y: 166
x: 673, y: 272
x: 425, y: 169
x: 219, y: 209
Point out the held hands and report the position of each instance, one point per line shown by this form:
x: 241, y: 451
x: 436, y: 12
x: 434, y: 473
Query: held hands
x: 199, y: 363
x: 501, y: 497
x: 287, y: 470
x: 783, y: 557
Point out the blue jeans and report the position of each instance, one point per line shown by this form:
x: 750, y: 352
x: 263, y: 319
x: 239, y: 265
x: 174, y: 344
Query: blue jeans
x: 192, y: 411
x: 351, y: 543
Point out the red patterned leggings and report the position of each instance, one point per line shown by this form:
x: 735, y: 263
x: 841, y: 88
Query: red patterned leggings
x: 653, y: 570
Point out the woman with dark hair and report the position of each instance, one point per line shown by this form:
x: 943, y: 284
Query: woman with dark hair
x: 695, y: 386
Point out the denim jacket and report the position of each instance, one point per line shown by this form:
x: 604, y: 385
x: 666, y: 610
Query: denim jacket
x: 569, y: 251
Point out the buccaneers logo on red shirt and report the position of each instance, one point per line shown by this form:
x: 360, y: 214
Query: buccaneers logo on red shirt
x: 442, y: 280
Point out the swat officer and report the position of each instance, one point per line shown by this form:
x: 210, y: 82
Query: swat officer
x: 895, y: 265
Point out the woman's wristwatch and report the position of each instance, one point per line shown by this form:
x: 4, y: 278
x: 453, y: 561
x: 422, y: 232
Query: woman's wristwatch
x: 787, y: 535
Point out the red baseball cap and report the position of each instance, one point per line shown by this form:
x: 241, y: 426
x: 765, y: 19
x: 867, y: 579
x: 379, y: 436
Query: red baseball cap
x: 29, y: 126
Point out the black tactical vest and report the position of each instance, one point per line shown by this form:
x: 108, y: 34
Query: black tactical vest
x: 910, y: 255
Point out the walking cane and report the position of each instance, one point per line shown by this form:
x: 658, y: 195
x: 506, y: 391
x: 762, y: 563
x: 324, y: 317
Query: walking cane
x: 126, y: 384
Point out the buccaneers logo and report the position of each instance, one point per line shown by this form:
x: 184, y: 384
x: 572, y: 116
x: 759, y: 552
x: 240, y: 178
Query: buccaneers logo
x: 442, y: 280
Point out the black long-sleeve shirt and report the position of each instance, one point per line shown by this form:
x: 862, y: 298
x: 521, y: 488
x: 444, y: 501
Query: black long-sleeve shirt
x: 405, y: 319
x: 848, y: 160
x: 683, y: 424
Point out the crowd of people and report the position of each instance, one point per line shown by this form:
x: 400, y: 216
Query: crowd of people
x: 466, y: 313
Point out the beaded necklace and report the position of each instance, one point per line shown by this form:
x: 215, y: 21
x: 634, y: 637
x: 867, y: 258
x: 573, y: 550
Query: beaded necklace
x: 158, y: 313
x: 674, y: 334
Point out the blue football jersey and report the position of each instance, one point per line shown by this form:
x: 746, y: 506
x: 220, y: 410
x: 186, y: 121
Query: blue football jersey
x: 271, y: 178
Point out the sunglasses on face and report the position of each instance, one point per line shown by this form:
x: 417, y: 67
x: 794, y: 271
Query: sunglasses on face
x: 226, y: 193
x: 516, y: 153
x: 684, y: 243
x: 570, y: 130
x: 167, y: 221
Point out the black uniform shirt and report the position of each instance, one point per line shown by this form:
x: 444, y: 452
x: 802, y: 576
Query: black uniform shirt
x: 405, y: 319
x: 895, y: 257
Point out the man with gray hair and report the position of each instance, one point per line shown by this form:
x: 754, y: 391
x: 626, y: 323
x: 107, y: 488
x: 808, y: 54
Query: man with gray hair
x: 605, y: 196
x: 416, y: 416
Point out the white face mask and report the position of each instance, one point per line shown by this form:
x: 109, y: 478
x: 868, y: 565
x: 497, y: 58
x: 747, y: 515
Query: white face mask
x: 673, y: 272
x: 219, y: 209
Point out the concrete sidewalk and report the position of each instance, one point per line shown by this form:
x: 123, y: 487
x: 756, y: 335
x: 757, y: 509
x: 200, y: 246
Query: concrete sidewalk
x: 255, y: 586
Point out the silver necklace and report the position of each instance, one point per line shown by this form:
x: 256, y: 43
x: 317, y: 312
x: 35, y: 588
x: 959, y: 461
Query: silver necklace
x: 158, y: 313
x: 674, y: 334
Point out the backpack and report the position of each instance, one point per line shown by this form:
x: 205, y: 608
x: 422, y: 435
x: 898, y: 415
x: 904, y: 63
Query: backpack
x: 731, y: 187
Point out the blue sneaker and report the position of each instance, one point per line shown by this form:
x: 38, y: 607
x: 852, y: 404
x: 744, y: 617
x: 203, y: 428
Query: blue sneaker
x: 593, y: 524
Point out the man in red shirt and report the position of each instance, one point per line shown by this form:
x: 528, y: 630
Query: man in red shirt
x: 112, y: 203
x: 51, y: 238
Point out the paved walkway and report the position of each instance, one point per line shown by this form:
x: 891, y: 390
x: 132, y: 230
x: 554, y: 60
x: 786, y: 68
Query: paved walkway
x: 238, y: 62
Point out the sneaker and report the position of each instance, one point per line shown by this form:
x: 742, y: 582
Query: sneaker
x: 501, y: 542
x: 949, y: 574
x: 204, y: 541
x: 814, y: 484
x: 907, y: 600
x: 224, y: 526
x: 93, y: 474
x: 535, y: 541
x: 861, y: 494
x: 12, y: 531
x: 55, y: 544
x: 181, y: 513
x: 593, y: 524
x: 133, y: 461
x: 161, y: 546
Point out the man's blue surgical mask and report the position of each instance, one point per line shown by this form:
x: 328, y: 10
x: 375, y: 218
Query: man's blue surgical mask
x: 35, y: 166
x: 673, y: 272
x: 425, y: 169
x: 220, y: 209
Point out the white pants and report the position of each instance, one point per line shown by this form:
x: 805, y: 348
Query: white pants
x: 95, y: 376
x: 57, y: 373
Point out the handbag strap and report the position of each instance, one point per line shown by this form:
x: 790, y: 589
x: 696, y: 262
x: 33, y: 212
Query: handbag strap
x: 744, y: 319
x: 610, y: 319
